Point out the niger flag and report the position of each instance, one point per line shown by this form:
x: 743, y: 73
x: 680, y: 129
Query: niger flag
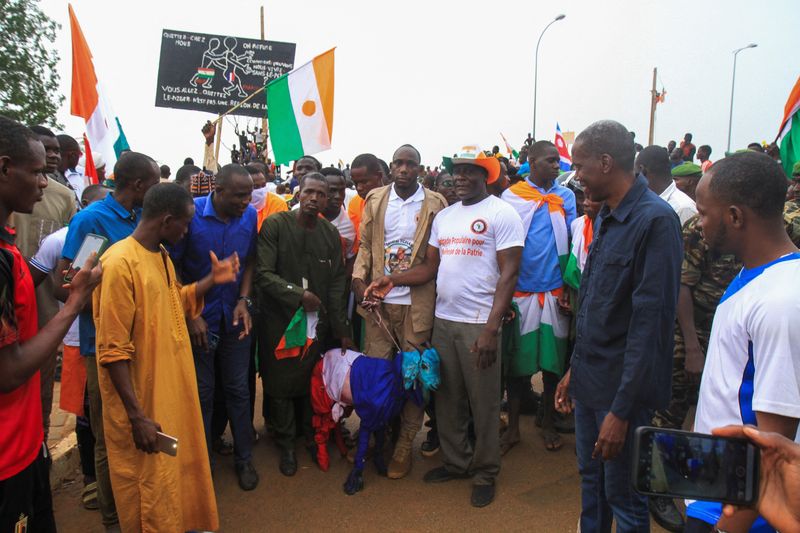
x: 299, y: 335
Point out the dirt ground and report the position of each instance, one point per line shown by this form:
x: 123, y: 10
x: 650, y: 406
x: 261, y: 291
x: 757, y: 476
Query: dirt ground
x: 536, y: 490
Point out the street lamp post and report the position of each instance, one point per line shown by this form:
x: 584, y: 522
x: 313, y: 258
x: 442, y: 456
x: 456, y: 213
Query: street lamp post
x: 536, y: 70
x: 733, y: 84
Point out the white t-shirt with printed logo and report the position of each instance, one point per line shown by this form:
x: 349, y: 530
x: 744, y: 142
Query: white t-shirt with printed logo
x: 468, y: 238
x: 399, y: 227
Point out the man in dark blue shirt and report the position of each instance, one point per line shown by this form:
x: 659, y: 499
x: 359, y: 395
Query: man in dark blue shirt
x: 225, y: 223
x: 621, y: 366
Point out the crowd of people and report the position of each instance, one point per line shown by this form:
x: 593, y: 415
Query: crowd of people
x: 640, y: 283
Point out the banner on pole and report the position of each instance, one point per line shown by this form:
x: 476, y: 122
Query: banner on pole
x: 213, y: 73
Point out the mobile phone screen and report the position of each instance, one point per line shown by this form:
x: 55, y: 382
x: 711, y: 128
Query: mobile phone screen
x: 695, y: 466
x: 91, y: 244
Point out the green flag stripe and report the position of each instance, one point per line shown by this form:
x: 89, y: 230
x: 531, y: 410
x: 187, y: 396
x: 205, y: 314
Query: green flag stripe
x: 286, y: 143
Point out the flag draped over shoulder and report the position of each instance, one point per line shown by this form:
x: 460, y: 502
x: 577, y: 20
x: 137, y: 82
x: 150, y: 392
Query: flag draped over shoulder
x: 526, y: 200
x: 103, y: 129
x: 582, y: 234
x: 299, y: 335
x: 300, y: 106
x: 789, y: 132
x: 566, y: 161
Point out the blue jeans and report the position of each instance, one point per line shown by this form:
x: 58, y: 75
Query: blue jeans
x: 233, y: 357
x: 606, y: 487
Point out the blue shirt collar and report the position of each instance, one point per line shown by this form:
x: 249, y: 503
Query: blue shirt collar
x: 626, y: 205
x: 543, y: 191
x: 208, y: 209
x: 119, y: 209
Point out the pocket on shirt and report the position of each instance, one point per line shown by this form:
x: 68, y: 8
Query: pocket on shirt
x: 614, y: 276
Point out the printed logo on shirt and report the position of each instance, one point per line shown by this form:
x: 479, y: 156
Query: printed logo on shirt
x: 479, y: 226
x: 397, y: 256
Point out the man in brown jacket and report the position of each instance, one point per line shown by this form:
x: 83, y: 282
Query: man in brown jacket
x: 394, y: 232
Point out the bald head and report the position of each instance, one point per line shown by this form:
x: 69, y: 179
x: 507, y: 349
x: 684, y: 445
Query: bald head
x: 608, y: 137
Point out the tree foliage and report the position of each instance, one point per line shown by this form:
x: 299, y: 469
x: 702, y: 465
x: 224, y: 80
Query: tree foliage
x: 29, y: 91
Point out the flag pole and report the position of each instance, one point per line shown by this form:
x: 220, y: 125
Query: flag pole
x: 264, y: 129
x: 653, y: 99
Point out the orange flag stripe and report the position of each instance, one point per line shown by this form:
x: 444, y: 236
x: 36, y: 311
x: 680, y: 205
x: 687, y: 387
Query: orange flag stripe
x: 84, y: 80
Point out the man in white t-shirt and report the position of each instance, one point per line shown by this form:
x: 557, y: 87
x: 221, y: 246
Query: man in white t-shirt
x: 653, y: 163
x: 395, y: 228
x: 752, y: 368
x: 473, y: 252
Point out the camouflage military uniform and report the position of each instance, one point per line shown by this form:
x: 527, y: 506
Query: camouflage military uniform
x: 708, y: 275
x: 791, y: 217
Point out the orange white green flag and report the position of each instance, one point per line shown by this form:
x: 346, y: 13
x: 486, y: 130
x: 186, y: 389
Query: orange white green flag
x: 789, y: 132
x: 299, y: 335
x: 300, y: 107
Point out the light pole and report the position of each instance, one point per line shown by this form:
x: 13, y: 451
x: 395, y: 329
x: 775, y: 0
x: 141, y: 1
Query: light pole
x: 536, y: 70
x: 733, y: 84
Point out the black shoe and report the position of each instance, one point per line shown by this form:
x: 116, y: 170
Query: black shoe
x: 248, y: 477
x: 431, y: 444
x: 441, y: 474
x: 222, y: 446
x: 288, y: 466
x: 482, y: 495
x: 666, y: 514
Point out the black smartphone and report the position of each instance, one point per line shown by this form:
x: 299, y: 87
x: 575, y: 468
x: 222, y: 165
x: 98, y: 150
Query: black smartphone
x: 91, y: 244
x: 682, y: 464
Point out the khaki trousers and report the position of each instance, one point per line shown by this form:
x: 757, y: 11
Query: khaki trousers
x: 105, y: 496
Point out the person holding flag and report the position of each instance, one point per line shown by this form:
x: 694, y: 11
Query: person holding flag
x: 547, y: 210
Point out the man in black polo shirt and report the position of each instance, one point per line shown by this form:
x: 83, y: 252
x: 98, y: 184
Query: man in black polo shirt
x: 621, y: 365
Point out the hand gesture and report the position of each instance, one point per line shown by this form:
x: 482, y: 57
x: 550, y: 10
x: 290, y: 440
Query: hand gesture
x: 224, y: 271
x: 242, y: 314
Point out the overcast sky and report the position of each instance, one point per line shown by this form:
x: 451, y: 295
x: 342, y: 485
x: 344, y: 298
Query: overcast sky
x: 442, y: 74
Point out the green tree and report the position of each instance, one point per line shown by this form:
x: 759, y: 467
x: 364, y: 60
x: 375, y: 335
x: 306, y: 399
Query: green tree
x: 28, y: 77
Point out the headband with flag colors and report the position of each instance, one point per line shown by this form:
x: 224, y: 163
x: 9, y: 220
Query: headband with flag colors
x: 300, y: 107
x: 566, y: 160
x: 103, y: 129
x: 789, y: 132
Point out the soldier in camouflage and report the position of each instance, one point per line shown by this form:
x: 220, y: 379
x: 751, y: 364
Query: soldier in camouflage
x: 704, y: 277
x: 791, y: 212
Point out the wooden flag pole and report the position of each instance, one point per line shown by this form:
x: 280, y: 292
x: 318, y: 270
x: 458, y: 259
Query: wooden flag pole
x: 653, y: 99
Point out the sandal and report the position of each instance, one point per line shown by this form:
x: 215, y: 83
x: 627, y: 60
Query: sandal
x: 89, y: 497
x: 552, y: 440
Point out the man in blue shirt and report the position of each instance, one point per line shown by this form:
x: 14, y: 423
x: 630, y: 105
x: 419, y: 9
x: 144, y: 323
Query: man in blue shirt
x: 224, y: 222
x: 547, y: 210
x: 114, y: 218
x: 621, y: 365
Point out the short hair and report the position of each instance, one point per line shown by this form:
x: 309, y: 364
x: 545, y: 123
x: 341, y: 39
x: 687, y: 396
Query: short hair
x: 312, y: 158
x: 185, y: 173
x: 370, y: 161
x: 540, y: 146
x: 331, y: 171
x: 750, y: 179
x: 656, y: 159
x: 688, y: 135
x: 253, y: 168
x: 166, y: 199
x: 385, y: 167
x: 314, y: 176
x: 259, y: 165
x: 92, y: 192
x: 227, y: 172
x: 131, y: 166
x: 706, y: 148
x: 15, y: 139
x: 755, y: 147
x: 188, y: 161
x: 67, y: 142
x: 42, y: 131
x: 609, y: 137
x: 442, y: 175
x: 419, y: 157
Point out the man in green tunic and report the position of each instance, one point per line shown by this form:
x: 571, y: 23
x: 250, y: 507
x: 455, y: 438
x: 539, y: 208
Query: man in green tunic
x: 299, y: 264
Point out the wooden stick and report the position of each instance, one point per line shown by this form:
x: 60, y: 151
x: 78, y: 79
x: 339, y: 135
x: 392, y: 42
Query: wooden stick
x: 652, y: 109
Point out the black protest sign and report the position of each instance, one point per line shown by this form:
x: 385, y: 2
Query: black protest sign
x: 213, y: 73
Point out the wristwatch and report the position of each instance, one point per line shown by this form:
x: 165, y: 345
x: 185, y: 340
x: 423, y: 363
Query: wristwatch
x: 247, y: 300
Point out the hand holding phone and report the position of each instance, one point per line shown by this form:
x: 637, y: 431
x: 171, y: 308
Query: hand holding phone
x: 92, y: 244
x: 167, y: 444
x: 681, y: 464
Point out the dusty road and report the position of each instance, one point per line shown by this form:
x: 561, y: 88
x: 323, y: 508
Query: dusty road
x: 536, y: 491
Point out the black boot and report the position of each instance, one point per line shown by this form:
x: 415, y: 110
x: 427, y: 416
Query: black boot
x: 666, y: 514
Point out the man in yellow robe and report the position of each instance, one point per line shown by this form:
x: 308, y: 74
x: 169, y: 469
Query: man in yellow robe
x: 146, y: 372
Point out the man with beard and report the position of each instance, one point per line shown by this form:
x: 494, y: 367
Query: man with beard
x: 751, y: 369
x: 299, y: 267
x: 395, y: 228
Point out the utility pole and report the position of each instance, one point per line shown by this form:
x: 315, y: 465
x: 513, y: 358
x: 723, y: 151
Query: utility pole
x: 653, y: 102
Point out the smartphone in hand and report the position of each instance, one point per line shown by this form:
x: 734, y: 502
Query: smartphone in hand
x: 167, y: 444
x: 91, y: 244
x: 681, y: 464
